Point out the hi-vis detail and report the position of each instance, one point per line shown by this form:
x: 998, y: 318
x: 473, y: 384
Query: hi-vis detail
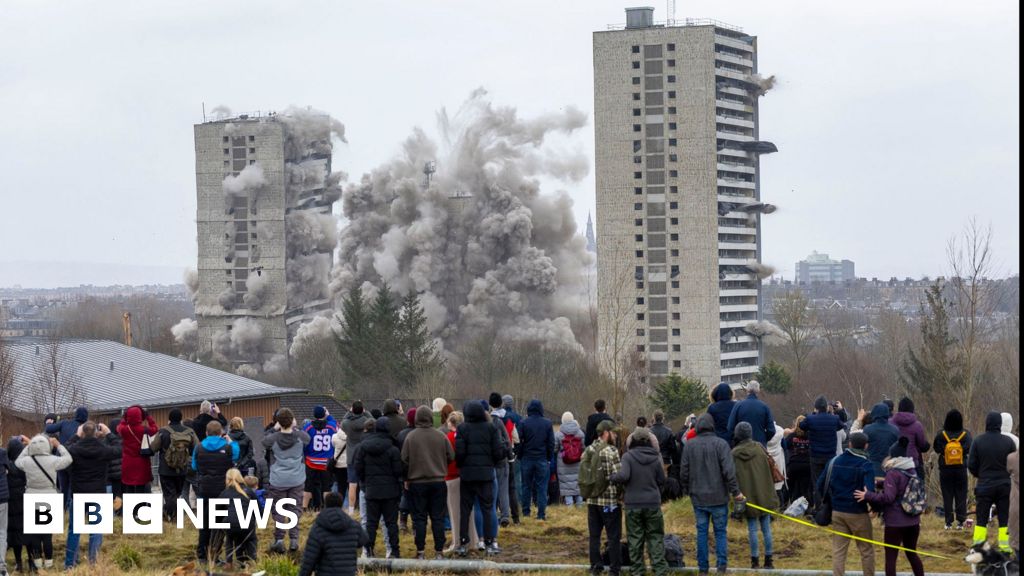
x: 143, y: 513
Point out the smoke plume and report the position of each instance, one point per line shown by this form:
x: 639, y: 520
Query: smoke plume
x: 486, y: 249
x: 192, y: 284
x: 255, y: 290
x: 186, y: 335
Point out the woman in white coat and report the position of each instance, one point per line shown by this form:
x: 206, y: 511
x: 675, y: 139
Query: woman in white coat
x: 40, y: 466
x: 779, y: 455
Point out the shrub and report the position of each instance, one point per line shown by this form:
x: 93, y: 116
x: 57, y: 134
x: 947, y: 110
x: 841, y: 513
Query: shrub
x: 126, y: 558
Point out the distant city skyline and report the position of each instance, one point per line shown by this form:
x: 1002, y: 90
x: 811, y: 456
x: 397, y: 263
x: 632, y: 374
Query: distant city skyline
x: 872, y: 158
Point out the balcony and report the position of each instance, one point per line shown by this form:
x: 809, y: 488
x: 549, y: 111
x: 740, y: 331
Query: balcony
x: 730, y: 105
x: 740, y: 370
x: 738, y: 308
x: 733, y: 43
x: 728, y: 167
x: 734, y: 59
x: 746, y: 231
x: 736, y: 183
x: 736, y: 198
x: 734, y: 136
x: 729, y: 73
x: 733, y: 90
x: 732, y: 153
x: 725, y: 325
x: 740, y: 355
x: 734, y: 121
x: 737, y: 292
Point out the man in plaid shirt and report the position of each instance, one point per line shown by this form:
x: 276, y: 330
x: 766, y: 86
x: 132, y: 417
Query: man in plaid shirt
x: 604, y: 512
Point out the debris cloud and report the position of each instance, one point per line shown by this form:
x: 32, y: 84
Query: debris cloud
x: 487, y: 250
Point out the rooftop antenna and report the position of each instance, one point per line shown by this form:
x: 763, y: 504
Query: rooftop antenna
x: 428, y: 170
x: 204, y: 111
x: 670, y: 12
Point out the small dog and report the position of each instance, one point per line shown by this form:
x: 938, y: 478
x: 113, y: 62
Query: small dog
x: 987, y: 560
x: 190, y: 569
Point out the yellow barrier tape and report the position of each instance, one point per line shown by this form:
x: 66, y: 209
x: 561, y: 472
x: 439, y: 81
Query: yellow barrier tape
x: 845, y: 535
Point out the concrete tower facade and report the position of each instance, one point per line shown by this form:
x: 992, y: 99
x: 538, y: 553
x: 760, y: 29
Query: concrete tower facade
x: 678, y: 196
x: 262, y: 183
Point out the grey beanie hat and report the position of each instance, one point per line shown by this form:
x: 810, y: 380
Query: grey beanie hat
x: 743, y: 432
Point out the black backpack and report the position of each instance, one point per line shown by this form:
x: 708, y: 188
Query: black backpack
x: 674, y: 551
x: 623, y: 554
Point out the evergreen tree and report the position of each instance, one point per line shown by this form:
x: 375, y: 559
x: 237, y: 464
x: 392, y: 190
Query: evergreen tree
x: 353, y: 340
x: 677, y: 396
x: 933, y: 371
x: 774, y: 378
x: 385, y: 353
x: 419, y: 355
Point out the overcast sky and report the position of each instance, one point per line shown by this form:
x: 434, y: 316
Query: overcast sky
x: 896, y: 121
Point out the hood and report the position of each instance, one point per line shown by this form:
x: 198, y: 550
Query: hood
x: 353, y: 416
x: 1006, y: 427
x: 382, y: 426
x: 285, y: 441
x: 424, y: 417
x: 318, y: 423
x: 570, y: 428
x: 237, y: 435
x: 499, y: 412
x: 214, y: 443
x: 880, y: 412
x: 14, y: 448
x: 378, y: 442
x: 899, y: 463
x: 113, y: 426
x: 390, y: 407
x: 776, y: 440
x: 474, y: 412
x: 333, y: 520
x: 722, y: 392
x: 747, y: 451
x: 705, y: 424
x: 39, y: 445
x: 535, y: 408
x: 954, y: 421
x: 994, y: 422
x: 821, y: 404
x: 904, y: 419
x: 645, y: 455
x: 133, y: 416
x: 81, y: 415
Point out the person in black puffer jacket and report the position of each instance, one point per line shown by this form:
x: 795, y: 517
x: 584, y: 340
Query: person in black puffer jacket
x: 378, y: 464
x: 721, y: 407
x: 987, y: 463
x: 333, y: 541
x: 16, y: 483
x: 246, y: 460
x: 90, y: 460
x: 477, y: 449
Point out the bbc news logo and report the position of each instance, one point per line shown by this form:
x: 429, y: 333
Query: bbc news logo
x: 143, y: 513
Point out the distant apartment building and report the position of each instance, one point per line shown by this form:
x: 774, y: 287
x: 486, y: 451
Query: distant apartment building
x: 678, y: 195
x: 821, y: 268
x: 262, y: 185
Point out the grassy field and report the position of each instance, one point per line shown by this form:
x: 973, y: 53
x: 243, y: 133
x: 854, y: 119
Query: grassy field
x: 560, y: 540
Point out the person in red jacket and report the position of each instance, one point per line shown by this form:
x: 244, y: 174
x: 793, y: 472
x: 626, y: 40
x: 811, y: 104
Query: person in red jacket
x: 136, y: 472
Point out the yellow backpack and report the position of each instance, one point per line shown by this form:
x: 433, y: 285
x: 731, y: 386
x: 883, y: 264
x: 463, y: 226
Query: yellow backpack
x: 953, y: 454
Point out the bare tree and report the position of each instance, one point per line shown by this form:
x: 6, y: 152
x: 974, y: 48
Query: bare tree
x: 972, y: 301
x: 60, y: 385
x: 6, y: 380
x: 618, y: 324
x: 795, y: 317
